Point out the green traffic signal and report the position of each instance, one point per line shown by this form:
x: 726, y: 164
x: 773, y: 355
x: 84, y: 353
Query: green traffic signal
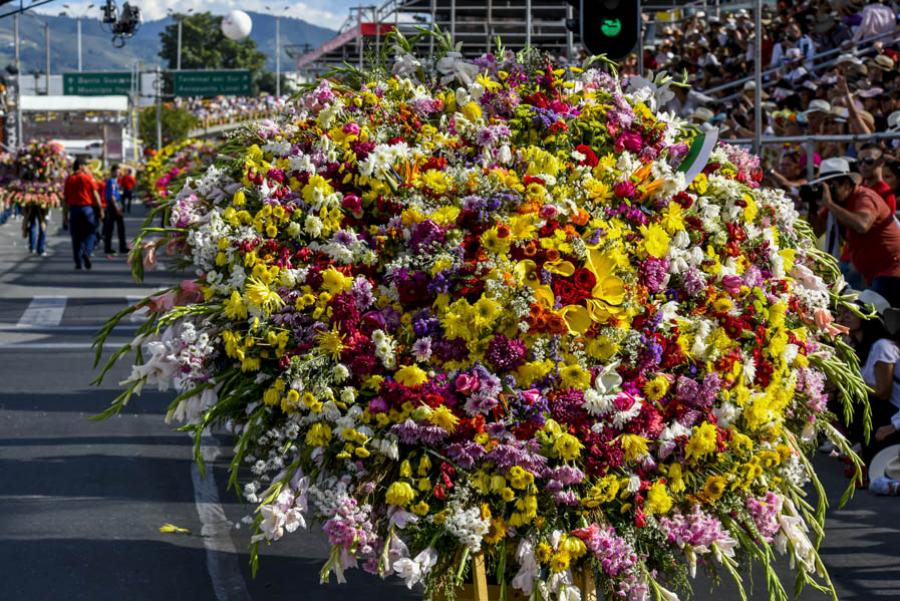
x: 611, y: 27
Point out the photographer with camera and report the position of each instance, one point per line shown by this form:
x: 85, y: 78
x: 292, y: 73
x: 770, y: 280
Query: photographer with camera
x: 867, y: 223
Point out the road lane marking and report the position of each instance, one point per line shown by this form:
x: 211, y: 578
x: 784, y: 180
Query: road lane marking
x: 45, y: 346
x: 43, y: 311
x: 221, y: 554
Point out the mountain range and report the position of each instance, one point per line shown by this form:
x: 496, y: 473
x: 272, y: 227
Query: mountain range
x: 98, y: 53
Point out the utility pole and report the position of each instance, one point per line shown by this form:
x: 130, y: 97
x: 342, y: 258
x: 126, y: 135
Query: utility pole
x: 18, y: 83
x: 158, y: 87
x: 278, y: 56
x: 757, y: 68
x: 47, y: 52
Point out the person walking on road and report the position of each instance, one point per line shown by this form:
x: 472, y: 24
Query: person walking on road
x: 34, y: 227
x: 115, y: 216
x: 126, y: 183
x: 85, y: 212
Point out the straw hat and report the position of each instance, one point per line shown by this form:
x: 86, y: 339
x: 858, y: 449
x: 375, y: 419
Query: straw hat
x: 883, y: 62
x: 886, y: 463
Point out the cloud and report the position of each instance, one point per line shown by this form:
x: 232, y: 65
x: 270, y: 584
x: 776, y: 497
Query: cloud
x: 325, y: 13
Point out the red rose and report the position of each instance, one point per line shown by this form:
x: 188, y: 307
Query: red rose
x: 584, y: 279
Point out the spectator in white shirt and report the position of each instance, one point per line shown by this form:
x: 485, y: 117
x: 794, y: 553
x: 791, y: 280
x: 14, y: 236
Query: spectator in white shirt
x: 877, y: 19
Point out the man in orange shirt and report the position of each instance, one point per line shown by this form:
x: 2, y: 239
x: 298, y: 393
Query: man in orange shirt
x: 85, y: 212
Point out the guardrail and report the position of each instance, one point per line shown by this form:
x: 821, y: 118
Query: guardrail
x: 894, y: 36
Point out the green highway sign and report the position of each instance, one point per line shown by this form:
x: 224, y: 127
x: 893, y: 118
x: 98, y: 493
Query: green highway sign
x: 113, y: 83
x: 211, y: 83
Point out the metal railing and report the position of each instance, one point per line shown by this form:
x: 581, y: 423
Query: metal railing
x: 894, y: 36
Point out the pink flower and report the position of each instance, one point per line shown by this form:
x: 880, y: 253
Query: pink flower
x: 149, y: 254
x: 161, y: 303
x: 466, y: 383
x: 531, y: 396
x: 625, y: 189
x: 353, y: 203
x: 630, y: 141
x: 548, y: 212
x: 732, y: 283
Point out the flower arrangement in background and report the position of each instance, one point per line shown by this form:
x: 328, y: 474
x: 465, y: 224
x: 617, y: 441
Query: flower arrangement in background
x: 165, y: 172
x: 485, y: 312
x: 39, y: 171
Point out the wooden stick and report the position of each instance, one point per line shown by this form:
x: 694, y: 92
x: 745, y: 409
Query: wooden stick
x: 587, y: 584
x: 479, y: 578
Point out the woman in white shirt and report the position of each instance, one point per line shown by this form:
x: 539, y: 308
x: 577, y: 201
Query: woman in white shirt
x: 880, y: 357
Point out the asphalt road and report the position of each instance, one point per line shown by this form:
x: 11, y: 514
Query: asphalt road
x: 81, y: 502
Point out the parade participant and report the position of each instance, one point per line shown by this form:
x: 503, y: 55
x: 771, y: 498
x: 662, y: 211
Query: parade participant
x: 85, y: 212
x: 34, y: 227
x: 115, y: 216
x: 126, y: 183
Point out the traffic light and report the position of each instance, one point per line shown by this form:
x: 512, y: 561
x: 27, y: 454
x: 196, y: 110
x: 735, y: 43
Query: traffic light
x: 609, y: 27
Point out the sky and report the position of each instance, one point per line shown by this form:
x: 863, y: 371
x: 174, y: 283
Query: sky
x: 325, y: 13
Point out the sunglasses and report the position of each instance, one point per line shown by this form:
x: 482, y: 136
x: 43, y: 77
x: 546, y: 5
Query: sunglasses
x: 870, y: 161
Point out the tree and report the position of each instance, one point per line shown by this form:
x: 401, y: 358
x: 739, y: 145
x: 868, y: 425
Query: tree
x: 176, y: 123
x: 204, y: 46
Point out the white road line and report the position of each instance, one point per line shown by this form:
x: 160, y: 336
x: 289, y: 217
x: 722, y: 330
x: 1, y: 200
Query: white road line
x: 64, y: 329
x: 221, y: 554
x: 43, y: 311
x: 45, y: 346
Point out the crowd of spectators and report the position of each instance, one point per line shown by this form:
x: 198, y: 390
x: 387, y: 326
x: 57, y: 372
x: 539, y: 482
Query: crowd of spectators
x: 231, y: 109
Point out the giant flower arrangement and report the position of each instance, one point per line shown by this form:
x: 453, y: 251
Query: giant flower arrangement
x: 40, y: 170
x: 166, y: 171
x: 486, y: 312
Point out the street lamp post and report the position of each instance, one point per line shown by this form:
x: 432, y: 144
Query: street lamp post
x: 78, y: 15
x: 278, y: 48
x: 180, y: 18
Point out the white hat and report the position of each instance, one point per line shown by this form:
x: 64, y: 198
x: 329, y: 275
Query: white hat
x: 886, y: 463
x: 849, y: 58
x: 794, y: 53
x: 836, y: 167
x: 702, y: 114
x: 750, y: 86
x: 893, y: 121
x: 818, y: 106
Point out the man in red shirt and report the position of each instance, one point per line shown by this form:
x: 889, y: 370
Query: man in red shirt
x: 126, y: 183
x: 85, y: 212
x: 872, y: 231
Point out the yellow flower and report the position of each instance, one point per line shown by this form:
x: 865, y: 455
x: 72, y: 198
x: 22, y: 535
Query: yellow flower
x: 702, y: 442
x: 260, y: 295
x: 634, y: 446
x: 493, y: 243
x: 520, y: 478
x: 335, y: 282
x: 656, y: 388
x: 319, y: 435
x: 567, y: 447
x: 234, y: 307
x: 573, y: 376
x: 400, y: 494
x: 673, y: 219
x: 443, y: 418
x: 436, y: 181
x: 331, y: 343
x: 472, y: 111
x: 658, y: 500
x: 486, y: 311
x: 656, y: 240
x: 411, y: 375
x: 713, y: 488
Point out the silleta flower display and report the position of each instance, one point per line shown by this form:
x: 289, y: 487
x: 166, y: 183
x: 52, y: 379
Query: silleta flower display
x: 165, y: 172
x: 39, y: 172
x: 486, y: 312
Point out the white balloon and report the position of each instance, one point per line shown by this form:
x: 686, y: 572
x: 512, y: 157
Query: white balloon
x: 236, y: 25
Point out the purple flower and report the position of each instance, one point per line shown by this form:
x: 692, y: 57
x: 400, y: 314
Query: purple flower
x: 505, y: 353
